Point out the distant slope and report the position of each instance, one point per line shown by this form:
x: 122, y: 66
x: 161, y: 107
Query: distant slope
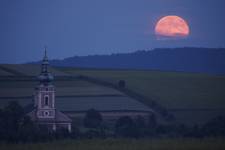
x: 192, y: 97
x: 184, y: 94
x: 4, y: 72
x: 203, y: 60
x: 171, y: 89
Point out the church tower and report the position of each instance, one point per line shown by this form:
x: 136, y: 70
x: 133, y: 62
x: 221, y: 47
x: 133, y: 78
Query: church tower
x: 45, y: 92
x: 45, y: 112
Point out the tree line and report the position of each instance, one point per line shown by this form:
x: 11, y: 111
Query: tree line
x: 15, y: 127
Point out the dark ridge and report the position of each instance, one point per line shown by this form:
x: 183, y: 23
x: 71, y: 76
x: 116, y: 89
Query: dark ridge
x: 187, y: 59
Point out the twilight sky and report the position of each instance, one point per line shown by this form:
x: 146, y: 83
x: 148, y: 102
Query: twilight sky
x: 84, y: 27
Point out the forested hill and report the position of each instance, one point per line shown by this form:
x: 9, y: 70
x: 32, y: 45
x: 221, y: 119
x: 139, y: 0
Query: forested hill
x: 203, y: 60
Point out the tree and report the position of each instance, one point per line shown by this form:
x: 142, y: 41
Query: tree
x: 92, y: 119
x: 180, y: 130
x: 126, y: 127
x: 2, y: 126
x: 28, y: 130
x: 195, y: 131
x: 12, y: 116
x: 152, y: 122
x: 215, y: 127
x: 141, y: 126
x: 122, y: 84
x: 151, y: 125
x: 75, y: 131
x: 15, y: 126
x: 61, y: 133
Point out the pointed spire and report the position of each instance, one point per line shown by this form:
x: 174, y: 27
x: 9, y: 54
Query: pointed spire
x: 45, y: 54
x: 45, y: 62
x: 45, y: 51
x: 45, y: 76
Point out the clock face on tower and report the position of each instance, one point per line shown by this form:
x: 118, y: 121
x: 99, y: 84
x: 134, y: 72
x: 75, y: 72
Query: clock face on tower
x: 46, y: 113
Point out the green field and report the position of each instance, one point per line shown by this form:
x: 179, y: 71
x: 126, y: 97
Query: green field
x: 183, y: 94
x: 171, y: 89
x: 63, y: 88
x: 123, y: 144
x: 191, y: 93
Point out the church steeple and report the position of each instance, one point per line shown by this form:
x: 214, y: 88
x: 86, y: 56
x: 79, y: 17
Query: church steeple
x: 45, y: 76
x: 45, y: 112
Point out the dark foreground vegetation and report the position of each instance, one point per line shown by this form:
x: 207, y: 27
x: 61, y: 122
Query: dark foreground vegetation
x: 123, y: 144
x: 16, y: 127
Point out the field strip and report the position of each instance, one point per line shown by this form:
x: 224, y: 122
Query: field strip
x: 196, y: 109
x: 65, y: 96
x: 16, y: 97
x: 11, y: 71
x: 102, y: 95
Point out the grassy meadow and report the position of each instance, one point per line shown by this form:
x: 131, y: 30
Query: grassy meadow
x: 171, y: 89
x: 191, y: 97
x: 184, y: 94
x: 15, y: 87
x: 123, y: 144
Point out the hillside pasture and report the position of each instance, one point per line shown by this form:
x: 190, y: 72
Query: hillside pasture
x: 5, y: 73
x: 170, y: 89
x: 193, y: 98
x: 71, y: 95
x: 183, y: 94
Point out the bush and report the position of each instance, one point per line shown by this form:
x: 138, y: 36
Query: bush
x: 122, y: 84
x: 215, y: 127
x: 92, y: 119
x: 140, y: 124
x: 28, y: 130
x: 125, y: 127
x: 11, y: 117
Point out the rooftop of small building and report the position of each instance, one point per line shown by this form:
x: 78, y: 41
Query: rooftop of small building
x: 59, y: 117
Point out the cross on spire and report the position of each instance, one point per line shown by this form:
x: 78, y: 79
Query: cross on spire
x: 45, y: 54
x: 45, y: 51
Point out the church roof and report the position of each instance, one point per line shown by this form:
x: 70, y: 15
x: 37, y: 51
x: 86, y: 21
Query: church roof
x: 59, y: 118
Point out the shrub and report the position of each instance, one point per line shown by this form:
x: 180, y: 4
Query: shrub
x: 92, y: 119
x: 122, y: 84
x: 125, y: 127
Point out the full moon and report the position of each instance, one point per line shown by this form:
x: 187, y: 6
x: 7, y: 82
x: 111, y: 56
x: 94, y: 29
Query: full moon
x: 172, y: 26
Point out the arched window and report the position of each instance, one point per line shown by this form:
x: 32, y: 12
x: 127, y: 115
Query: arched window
x: 46, y: 100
